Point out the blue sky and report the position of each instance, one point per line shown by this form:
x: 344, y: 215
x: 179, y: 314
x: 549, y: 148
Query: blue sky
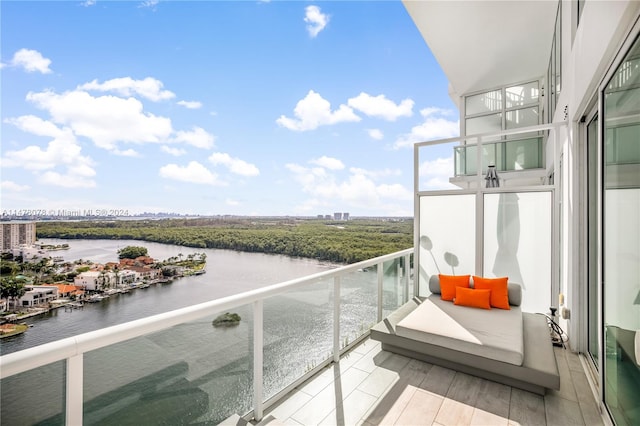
x: 211, y: 107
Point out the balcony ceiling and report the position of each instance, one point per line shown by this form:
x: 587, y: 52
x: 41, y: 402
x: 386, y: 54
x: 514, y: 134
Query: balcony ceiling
x: 485, y: 44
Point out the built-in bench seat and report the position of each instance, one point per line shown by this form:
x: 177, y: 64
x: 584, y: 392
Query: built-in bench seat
x: 537, y: 371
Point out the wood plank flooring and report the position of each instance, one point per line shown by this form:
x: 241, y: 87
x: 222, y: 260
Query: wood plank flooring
x: 373, y: 387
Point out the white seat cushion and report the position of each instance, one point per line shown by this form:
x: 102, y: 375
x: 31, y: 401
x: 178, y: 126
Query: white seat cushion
x: 495, y: 334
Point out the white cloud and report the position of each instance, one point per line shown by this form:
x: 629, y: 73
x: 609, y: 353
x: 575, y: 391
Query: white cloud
x: 149, y: 3
x: 314, y: 111
x: 381, y: 107
x: 375, y: 134
x: 193, y: 172
x: 197, y: 137
x: 315, y: 19
x: 88, y: 3
x: 35, y: 125
x: 66, y: 180
x: 106, y: 120
x: 235, y: 165
x: 190, y: 104
x: 126, y: 153
x: 435, y: 174
x: 435, y: 126
x: 149, y: 88
x: 31, y: 61
x: 328, y: 163
x: 376, y: 174
x: 358, y: 190
x: 173, y: 151
x: 11, y: 186
x: 62, y: 151
x: 231, y: 202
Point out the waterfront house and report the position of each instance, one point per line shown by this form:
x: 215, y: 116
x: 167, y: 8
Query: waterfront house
x: 38, y: 296
x: 95, y: 280
x: 67, y: 291
x: 145, y: 273
x: 549, y: 94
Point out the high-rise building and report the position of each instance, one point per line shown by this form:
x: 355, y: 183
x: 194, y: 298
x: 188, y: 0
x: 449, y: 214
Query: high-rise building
x: 12, y: 234
x: 345, y: 216
x: 337, y: 216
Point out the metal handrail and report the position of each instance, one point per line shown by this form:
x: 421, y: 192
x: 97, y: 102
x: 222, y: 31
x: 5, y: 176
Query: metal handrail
x: 47, y: 353
x: 72, y: 349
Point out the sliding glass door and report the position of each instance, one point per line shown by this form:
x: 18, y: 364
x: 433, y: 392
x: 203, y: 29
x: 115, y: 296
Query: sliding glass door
x: 593, y: 281
x: 621, y: 240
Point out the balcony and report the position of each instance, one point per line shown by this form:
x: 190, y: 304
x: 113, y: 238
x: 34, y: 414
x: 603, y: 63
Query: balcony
x: 175, y: 368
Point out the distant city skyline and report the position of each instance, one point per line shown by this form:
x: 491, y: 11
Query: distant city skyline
x: 218, y: 108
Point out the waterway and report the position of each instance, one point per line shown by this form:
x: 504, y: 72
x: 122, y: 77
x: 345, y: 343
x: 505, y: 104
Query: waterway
x: 228, y: 272
x: 193, y: 373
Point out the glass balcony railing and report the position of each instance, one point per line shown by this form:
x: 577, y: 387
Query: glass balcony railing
x: 509, y: 155
x: 177, y: 368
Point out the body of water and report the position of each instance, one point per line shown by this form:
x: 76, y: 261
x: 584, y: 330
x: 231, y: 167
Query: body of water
x: 228, y: 272
x: 192, y: 373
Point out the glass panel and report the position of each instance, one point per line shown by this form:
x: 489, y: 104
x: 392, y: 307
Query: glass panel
x: 488, y: 158
x: 358, y: 303
x: 522, y: 118
x: 592, y: 242
x: 484, y: 102
x: 191, y: 373
x: 521, y: 95
x: 523, y: 154
x: 621, y: 144
x: 447, y: 237
x: 484, y: 124
x: 621, y: 251
x: 34, y: 397
x: 517, y: 243
x: 298, y: 334
x: 393, y: 289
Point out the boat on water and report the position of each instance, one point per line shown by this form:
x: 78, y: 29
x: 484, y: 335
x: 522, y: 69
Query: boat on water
x: 94, y: 298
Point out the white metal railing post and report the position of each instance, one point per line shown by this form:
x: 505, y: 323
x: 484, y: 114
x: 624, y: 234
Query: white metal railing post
x: 479, y: 215
x: 336, y: 318
x: 74, y: 390
x: 396, y: 285
x: 258, y: 332
x: 405, y: 277
x: 380, y: 270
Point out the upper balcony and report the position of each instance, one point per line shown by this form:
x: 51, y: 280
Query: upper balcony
x: 517, y: 154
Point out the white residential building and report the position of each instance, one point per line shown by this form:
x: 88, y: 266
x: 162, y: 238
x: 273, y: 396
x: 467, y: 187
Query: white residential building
x: 38, y: 296
x: 95, y: 280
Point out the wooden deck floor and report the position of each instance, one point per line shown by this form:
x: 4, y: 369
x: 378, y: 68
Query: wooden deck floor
x: 373, y: 387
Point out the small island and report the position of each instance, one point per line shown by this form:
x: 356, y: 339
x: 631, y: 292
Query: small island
x: 7, y: 330
x: 226, y: 320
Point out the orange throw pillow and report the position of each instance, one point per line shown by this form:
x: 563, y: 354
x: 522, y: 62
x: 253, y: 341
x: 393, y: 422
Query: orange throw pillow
x: 499, y: 290
x: 473, y: 298
x: 448, y: 284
